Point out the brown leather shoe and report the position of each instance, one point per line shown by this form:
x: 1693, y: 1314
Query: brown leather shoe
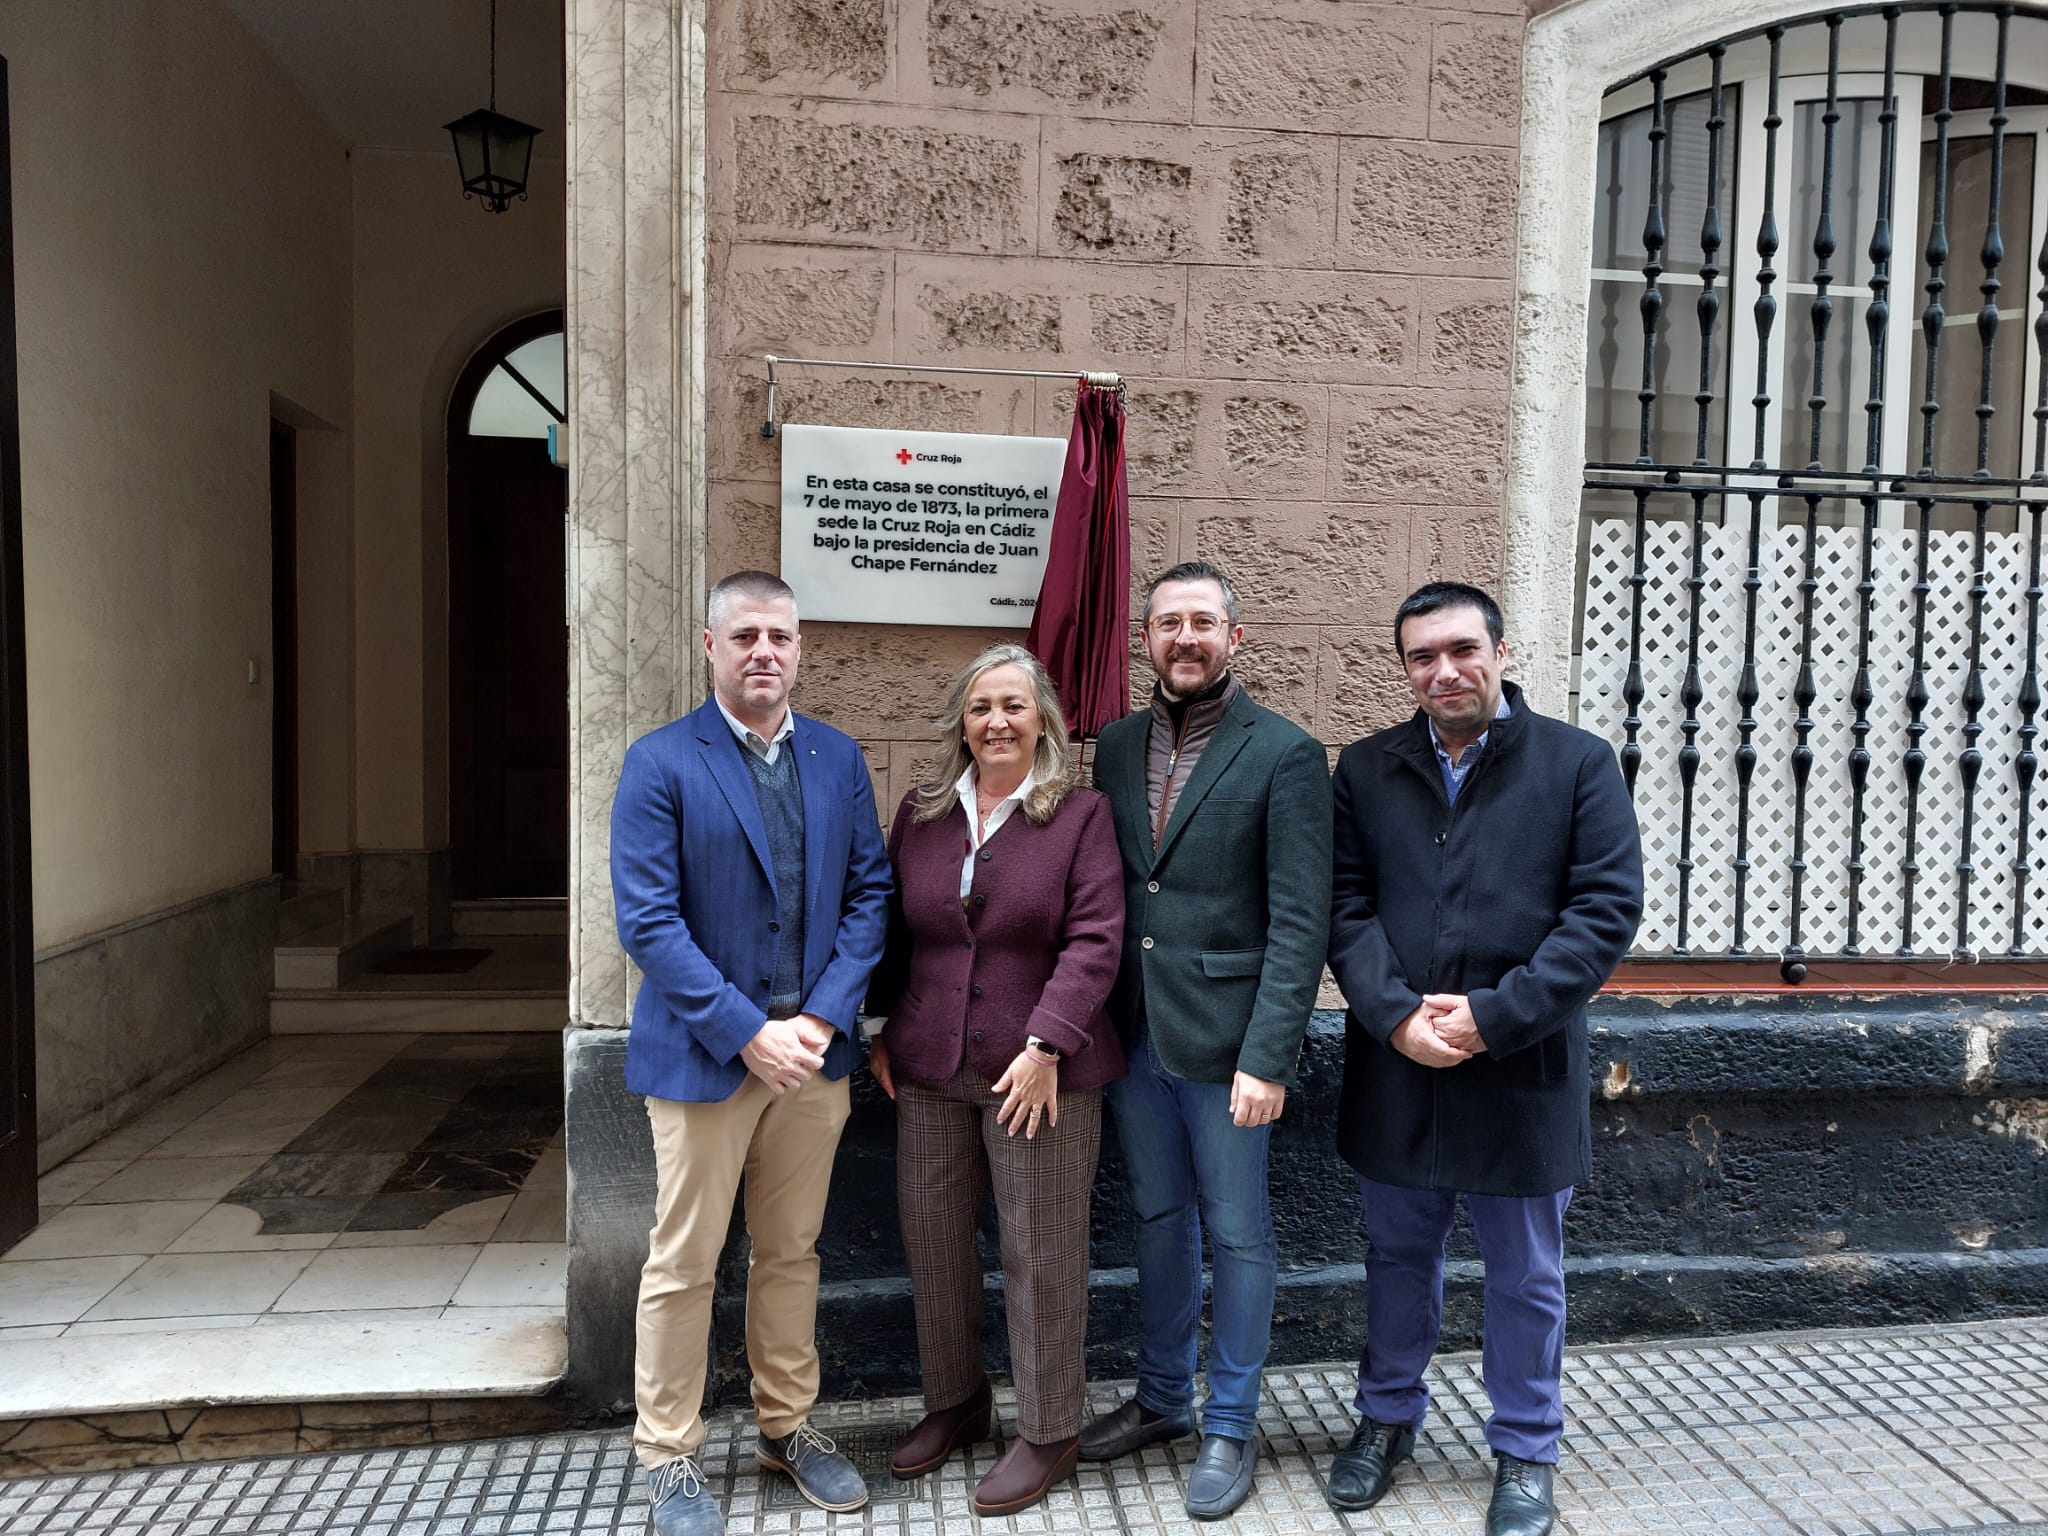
x: 1024, y: 1475
x: 938, y: 1435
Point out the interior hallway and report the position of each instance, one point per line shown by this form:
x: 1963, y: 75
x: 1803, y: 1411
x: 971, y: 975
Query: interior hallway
x: 318, y: 1177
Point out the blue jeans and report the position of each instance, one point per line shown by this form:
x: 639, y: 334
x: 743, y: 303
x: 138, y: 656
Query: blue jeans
x: 1521, y: 1242
x: 1183, y: 1154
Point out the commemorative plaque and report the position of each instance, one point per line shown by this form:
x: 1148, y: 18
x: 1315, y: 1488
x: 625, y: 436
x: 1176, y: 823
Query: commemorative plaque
x: 884, y: 527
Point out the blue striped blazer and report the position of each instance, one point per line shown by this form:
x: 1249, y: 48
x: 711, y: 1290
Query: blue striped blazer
x: 693, y: 892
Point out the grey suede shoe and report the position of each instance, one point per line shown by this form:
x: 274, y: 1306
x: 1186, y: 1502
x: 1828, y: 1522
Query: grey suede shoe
x: 814, y: 1464
x: 679, y: 1503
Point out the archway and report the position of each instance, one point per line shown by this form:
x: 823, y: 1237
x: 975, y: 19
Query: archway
x: 508, y: 749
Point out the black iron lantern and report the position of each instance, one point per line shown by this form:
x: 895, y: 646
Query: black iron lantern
x: 493, y: 151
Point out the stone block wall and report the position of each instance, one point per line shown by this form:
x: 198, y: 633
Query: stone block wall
x: 1289, y: 223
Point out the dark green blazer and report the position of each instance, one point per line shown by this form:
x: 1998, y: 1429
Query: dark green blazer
x: 1226, y: 925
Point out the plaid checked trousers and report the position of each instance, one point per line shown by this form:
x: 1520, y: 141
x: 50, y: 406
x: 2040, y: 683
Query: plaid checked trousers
x: 949, y: 1152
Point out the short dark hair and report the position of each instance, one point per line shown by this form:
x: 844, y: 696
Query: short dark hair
x: 761, y: 586
x: 1439, y: 595
x: 1194, y: 570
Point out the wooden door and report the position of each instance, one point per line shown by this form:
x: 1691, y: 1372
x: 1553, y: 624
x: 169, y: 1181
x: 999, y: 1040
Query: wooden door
x: 510, y: 673
x: 17, y: 934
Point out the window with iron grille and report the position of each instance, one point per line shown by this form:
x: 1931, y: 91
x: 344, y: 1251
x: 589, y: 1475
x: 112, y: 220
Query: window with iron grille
x: 1816, y: 468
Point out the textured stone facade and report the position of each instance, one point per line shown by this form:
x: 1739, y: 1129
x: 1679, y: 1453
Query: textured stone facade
x: 1289, y: 223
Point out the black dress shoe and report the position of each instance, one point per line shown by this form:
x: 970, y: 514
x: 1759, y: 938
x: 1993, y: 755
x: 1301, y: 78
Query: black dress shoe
x: 1522, y: 1503
x: 1132, y: 1427
x: 1361, y: 1473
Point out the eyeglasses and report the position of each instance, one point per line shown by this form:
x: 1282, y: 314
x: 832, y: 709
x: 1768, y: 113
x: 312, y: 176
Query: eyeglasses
x: 1201, y: 625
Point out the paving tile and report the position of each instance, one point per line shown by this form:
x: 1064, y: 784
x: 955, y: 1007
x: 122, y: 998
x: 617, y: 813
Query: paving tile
x: 515, y: 1275
x: 1645, y: 1455
x: 201, y: 1284
x: 475, y: 1221
x: 88, y: 1328
x: 379, y: 1277
x: 237, y: 1229
x: 151, y: 1177
x: 85, y: 1231
x: 68, y: 1181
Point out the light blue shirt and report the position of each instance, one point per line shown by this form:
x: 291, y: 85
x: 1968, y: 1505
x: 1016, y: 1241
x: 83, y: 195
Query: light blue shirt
x: 1456, y: 773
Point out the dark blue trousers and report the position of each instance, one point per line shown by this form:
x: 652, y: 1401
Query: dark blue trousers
x: 1521, y: 1241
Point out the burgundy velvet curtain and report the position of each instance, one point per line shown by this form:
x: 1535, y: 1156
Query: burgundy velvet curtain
x: 1080, y: 629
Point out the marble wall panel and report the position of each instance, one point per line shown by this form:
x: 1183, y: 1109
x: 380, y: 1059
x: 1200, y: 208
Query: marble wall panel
x: 126, y: 1017
x: 637, y: 484
x: 415, y: 880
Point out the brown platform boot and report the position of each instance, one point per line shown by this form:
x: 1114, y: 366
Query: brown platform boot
x: 938, y: 1435
x: 1024, y: 1475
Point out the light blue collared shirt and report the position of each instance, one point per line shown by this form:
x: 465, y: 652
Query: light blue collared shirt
x: 1456, y: 773
x: 752, y: 739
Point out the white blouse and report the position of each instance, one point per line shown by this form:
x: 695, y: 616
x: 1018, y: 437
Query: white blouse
x: 976, y: 835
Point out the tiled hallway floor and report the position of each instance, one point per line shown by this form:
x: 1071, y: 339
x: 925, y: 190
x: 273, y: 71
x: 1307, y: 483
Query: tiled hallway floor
x: 313, y: 1178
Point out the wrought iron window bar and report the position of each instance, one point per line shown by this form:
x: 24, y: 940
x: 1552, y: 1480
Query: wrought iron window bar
x: 1713, y: 496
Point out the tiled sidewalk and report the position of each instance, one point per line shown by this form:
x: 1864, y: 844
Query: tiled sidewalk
x: 1924, y: 1429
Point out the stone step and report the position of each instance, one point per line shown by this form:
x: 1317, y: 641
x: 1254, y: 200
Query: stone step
x: 312, y: 1011
x: 339, y: 950
x: 376, y: 1358
x: 301, y: 908
x: 511, y: 915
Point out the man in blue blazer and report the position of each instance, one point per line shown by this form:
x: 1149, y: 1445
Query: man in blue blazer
x: 751, y: 887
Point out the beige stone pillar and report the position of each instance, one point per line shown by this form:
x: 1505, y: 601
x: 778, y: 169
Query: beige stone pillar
x: 635, y: 253
x: 635, y: 342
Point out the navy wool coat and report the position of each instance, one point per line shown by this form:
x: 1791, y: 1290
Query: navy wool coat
x: 1032, y: 952
x: 1523, y: 896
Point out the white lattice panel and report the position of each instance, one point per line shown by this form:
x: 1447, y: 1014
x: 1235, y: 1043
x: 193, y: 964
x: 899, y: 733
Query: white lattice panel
x: 1710, y: 926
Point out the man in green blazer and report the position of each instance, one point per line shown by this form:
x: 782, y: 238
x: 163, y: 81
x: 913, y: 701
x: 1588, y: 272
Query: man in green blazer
x: 1222, y: 813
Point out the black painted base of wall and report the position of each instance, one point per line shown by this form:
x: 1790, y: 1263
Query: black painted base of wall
x: 1822, y: 1162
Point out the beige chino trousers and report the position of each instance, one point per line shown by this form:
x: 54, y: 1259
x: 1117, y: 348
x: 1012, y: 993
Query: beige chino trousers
x: 783, y: 1148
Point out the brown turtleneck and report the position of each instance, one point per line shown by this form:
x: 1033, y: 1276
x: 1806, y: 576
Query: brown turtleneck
x: 1181, y: 728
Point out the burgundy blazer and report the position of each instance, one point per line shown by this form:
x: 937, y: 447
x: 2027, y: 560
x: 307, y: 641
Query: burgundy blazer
x: 1033, y: 952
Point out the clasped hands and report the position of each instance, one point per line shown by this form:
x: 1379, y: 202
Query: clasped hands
x: 1440, y: 1032
x: 785, y: 1052
x: 1030, y: 1085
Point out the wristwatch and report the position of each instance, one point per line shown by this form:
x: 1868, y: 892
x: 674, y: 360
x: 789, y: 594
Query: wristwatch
x: 1034, y: 1043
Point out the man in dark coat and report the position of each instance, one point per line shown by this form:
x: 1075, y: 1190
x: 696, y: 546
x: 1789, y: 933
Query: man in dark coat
x: 1488, y: 879
x: 1221, y: 811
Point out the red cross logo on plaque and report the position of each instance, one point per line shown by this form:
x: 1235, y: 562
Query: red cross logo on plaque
x: 902, y: 455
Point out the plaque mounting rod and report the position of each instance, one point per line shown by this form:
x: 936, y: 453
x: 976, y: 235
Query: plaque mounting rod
x: 1100, y: 380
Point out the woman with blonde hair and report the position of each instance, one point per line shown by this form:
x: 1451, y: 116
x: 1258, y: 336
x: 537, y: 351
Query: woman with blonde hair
x: 1004, y: 938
